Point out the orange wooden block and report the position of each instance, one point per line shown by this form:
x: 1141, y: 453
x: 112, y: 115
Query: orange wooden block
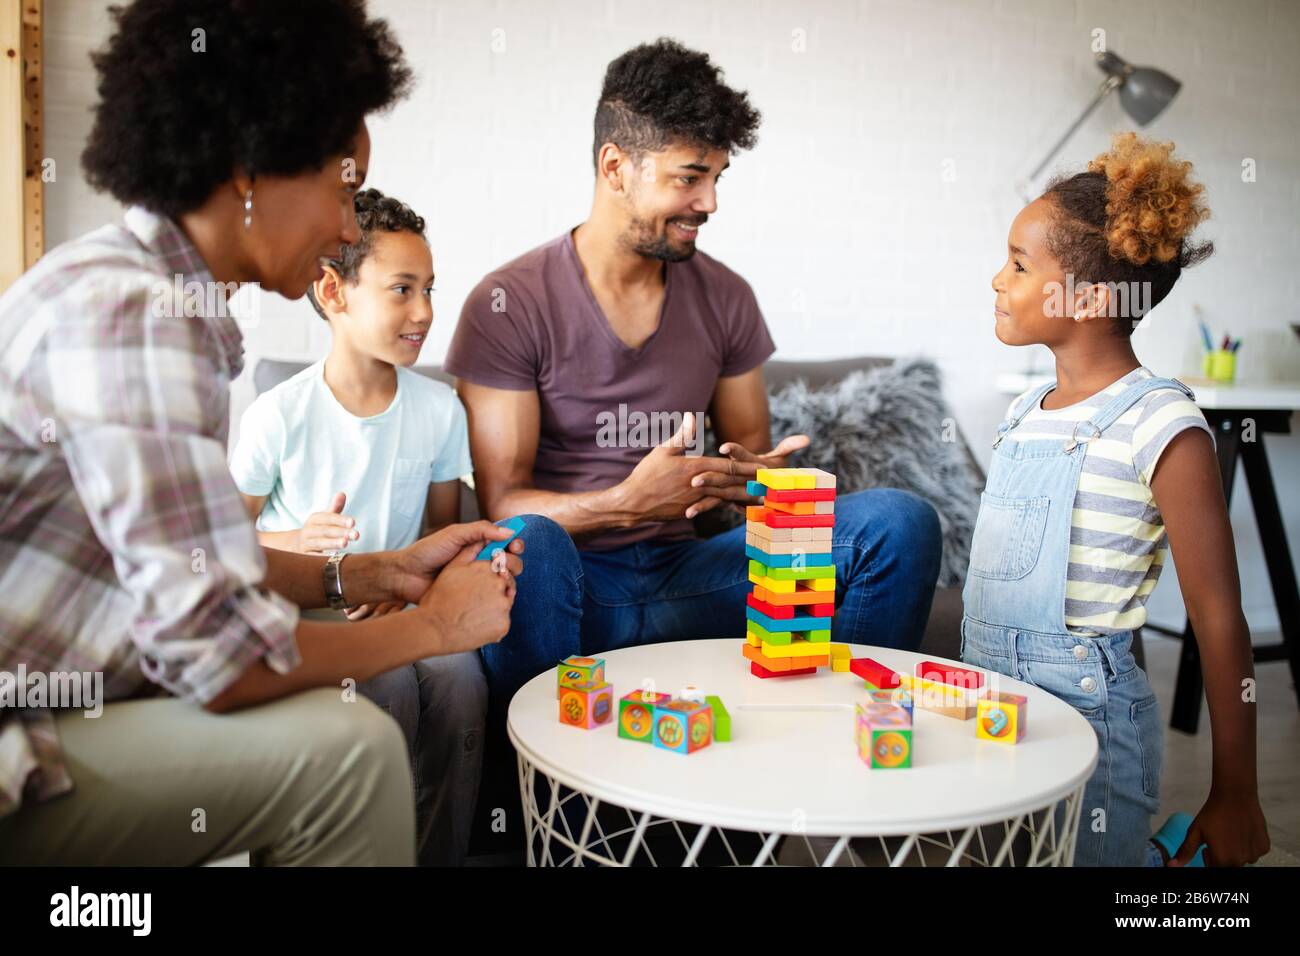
x: 794, y: 507
x: 771, y: 663
x: 798, y: 596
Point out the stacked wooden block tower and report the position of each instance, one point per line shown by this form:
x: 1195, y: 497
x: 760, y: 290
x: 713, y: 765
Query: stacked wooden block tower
x: 788, y: 543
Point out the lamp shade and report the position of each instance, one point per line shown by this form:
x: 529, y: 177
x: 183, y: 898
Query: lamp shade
x: 1146, y: 92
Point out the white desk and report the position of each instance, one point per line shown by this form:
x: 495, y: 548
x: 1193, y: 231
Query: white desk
x: 792, y: 770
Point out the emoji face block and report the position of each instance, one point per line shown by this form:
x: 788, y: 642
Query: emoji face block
x: 884, y: 736
x: 683, y: 726
x: 1002, y: 717
x: 576, y: 670
x: 587, y: 705
x: 636, y: 714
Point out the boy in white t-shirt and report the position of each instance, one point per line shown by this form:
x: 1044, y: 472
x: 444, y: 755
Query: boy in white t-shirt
x: 359, y: 452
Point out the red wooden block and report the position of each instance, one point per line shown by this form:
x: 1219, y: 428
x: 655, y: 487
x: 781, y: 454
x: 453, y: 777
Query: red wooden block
x: 771, y: 610
x: 822, y: 610
x: 950, y: 674
x: 800, y: 494
x: 758, y: 670
x: 875, y: 672
x: 774, y: 519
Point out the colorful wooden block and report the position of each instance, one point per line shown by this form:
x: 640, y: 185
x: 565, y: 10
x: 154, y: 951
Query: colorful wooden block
x: 800, y: 622
x: 721, y: 719
x: 787, y: 547
x: 576, y: 670
x: 756, y: 656
x: 587, y: 704
x: 799, y: 494
x: 960, y: 703
x: 786, y: 479
x: 756, y: 488
x: 1002, y: 717
x: 840, y: 657
x: 759, y: 529
x: 884, y: 736
x: 796, y: 598
x: 898, y: 697
x: 793, y: 507
x: 874, y: 673
x: 950, y: 674
x: 769, y: 584
x: 791, y: 560
x: 775, y: 519
x: 823, y: 507
x: 795, y: 648
x: 811, y: 572
x: 636, y: 714
x: 683, y: 726
x: 758, y: 670
x: 780, y: 638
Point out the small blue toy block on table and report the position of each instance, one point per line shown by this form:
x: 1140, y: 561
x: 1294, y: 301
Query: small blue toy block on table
x: 514, y: 524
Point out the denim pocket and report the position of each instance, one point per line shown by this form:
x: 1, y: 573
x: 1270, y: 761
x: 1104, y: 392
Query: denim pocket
x: 1008, y: 536
x: 1145, y: 715
x: 1066, y: 681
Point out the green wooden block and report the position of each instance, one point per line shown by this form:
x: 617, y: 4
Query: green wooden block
x: 791, y: 574
x: 772, y: 637
x: 721, y: 719
x: 818, y: 637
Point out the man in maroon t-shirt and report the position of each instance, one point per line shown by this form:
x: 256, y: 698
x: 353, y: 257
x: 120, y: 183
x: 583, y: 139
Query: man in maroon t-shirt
x: 587, y: 365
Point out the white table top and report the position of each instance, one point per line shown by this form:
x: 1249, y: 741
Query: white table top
x: 797, y: 770
x: 1258, y: 396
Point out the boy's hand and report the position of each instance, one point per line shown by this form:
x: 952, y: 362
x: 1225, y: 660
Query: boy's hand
x: 745, y: 464
x: 1232, y: 829
x: 468, y: 603
x: 417, y: 565
x: 330, y: 530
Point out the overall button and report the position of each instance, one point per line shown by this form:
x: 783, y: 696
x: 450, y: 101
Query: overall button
x: 1080, y: 652
x: 1088, y: 685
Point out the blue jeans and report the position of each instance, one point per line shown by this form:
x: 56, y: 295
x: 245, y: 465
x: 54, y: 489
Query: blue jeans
x: 1099, y: 678
x: 887, y: 548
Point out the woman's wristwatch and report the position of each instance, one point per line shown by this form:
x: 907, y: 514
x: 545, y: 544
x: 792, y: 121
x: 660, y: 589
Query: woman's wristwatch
x: 333, y: 579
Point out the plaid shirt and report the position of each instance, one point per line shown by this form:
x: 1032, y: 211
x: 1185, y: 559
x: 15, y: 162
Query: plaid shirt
x: 125, y: 548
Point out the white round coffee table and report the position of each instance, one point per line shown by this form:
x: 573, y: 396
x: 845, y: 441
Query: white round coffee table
x: 790, y: 781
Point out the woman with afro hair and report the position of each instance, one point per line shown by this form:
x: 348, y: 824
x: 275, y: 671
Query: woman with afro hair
x: 1095, y: 477
x: 234, y: 130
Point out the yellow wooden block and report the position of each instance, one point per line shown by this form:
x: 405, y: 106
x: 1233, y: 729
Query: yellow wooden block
x: 753, y: 638
x: 840, y: 664
x: 795, y: 648
x: 840, y: 652
x: 786, y: 479
x: 780, y: 587
x: 821, y: 584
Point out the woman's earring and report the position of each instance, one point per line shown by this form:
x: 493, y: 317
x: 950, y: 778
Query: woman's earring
x: 248, y: 209
x: 1077, y: 316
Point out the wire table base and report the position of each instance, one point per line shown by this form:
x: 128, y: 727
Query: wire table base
x: 567, y: 827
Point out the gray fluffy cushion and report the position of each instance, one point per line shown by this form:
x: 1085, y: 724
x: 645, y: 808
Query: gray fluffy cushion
x: 888, y: 427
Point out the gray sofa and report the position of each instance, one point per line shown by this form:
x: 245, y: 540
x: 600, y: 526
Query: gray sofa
x: 943, y: 631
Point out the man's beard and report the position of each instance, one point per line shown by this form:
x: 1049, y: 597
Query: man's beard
x: 642, y: 239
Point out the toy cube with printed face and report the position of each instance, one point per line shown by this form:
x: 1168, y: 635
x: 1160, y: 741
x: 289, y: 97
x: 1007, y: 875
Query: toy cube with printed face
x: 1002, y: 717
x: 587, y: 705
x: 576, y: 670
x: 683, y: 726
x: 636, y: 714
x: 884, y: 736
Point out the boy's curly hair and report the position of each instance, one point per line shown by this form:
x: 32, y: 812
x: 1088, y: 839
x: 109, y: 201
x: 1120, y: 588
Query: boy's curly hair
x: 659, y: 93
x: 375, y: 213
x: 1128, y: 219
x: 266, y: 87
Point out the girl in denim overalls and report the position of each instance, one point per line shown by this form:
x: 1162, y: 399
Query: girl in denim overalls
x: 1123, y: 221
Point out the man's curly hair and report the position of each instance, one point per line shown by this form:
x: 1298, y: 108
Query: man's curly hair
x: 1128, y: 219
x: 660, y: 93
x: 375, y: 213
x: 277, y: 88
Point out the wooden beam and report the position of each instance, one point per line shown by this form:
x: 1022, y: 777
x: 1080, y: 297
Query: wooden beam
x: 12, y: 150
x: 34, y: 129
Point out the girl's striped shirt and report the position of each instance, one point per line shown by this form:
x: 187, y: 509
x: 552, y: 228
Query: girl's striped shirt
x: 1117, y: 536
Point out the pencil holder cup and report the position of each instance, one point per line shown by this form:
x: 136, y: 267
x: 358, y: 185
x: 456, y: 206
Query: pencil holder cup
x: 1220, y: 365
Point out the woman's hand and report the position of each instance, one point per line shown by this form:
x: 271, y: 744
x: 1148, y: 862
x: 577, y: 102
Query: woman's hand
x: 417, y: 565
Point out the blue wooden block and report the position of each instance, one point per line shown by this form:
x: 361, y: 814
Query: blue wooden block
x: 799, y: 622
x: 787, y: 560
x: 755, y: 488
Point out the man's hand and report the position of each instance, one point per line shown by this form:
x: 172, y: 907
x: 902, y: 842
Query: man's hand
x: 468, y: 604
x: 659, y: 487
x: 418, y: 564
x: 328, y: 530
x: 729, y: 485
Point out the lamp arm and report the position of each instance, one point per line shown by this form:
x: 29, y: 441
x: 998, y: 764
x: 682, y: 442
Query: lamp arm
x: 1109, y: 84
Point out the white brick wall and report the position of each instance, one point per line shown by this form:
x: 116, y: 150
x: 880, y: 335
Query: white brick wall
x: 840, y: 218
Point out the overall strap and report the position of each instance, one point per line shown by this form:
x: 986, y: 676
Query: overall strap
x: 1119, y: 404
x: 1021, y: 409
